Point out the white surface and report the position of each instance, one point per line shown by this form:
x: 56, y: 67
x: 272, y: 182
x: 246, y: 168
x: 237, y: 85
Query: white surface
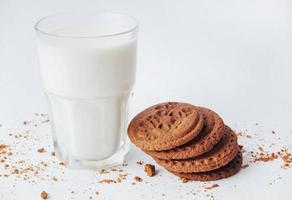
x: 232, y: 56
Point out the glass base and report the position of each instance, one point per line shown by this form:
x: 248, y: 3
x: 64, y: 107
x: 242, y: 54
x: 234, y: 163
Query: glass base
x: 116, y: 159
x: 89, y: 133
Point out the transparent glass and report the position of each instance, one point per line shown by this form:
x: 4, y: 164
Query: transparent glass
x: 88, y: 64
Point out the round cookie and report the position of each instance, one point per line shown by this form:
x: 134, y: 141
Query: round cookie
x: 165, y: 126
x: 223, y: 172
x: 219, y: 156
x: 211, y: 134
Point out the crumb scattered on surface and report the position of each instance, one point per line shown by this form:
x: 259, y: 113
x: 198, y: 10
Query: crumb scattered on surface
x: 108, y: 181
x: 123, y: 176
x: 140, y: 162
x: 184, y: 180
x: 19, y: 168
x: 265, y: 156
x: 46, y: 121
x: 44, y: 195
x: 103, y: 171
x: 149, y: 169
x: 41, y: 150
x: 244, y: 166
x: 137, y: 179
x: 211, y: 187
x: 2, y: 147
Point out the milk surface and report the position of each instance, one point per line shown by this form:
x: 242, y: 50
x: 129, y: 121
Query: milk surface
x: 88, y: 83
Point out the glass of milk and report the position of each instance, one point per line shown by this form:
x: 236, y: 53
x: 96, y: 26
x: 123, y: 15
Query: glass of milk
x: 88, y: 63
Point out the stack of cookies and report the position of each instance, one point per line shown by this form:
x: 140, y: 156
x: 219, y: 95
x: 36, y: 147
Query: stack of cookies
x: 189, y: 141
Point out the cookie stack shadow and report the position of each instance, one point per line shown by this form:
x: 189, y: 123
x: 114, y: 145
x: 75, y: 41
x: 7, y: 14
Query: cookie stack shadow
x: 189, y: 141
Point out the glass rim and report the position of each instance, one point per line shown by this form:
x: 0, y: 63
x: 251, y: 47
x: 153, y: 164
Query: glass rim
x: 132, y: 29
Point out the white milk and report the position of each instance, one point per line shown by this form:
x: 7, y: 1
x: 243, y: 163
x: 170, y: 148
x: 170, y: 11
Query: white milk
x: 88, y: 83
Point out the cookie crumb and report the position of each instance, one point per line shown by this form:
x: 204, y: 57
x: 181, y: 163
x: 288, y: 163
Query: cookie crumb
x: 103, y: 171
x: 16, y: 171
x: 44, y: 195
x: 244, y: 166
x: 261, y: 149
x: 108, y: 181
x: 123, y: 176
x: 137, y: 179
x: 53, y: 153
x: 266, y: 158
x: 46, y: 121
x: 41, y: 150
x: 184, y: 180
x: 97, y: 193
x: 2, y: 146
x: 149, y: 169
x: 212, y: 186
x: 140, y: 162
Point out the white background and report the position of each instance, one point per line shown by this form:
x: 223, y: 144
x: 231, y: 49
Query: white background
x: 232, y: 56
